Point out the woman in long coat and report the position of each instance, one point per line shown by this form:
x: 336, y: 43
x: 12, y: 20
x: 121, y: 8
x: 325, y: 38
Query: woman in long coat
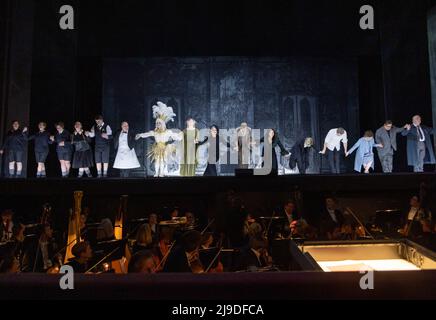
x: 365, y: 153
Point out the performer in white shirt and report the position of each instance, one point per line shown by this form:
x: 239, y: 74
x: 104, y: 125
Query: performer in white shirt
x: 102, y: 133
x: 125, y: 159
x: 332, y: 144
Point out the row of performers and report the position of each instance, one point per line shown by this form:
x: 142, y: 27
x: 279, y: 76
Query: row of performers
x: 74, y: 150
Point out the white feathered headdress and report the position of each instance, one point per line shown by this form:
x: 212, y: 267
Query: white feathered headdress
x: 163, y: 112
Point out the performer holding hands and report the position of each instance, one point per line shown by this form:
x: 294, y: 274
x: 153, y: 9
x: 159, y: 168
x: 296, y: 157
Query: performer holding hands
x: 365, y: 154
x: 332, y: 145
x: 160, y: 150
x: 102, y: 133
x: 42, y: 141
x: 82, y: 158
x: 62, y: 138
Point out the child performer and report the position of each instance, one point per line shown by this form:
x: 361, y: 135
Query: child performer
x: 42, y: 141
x: 15, y: 144
x: 62, y: 138
x: 82, y: 158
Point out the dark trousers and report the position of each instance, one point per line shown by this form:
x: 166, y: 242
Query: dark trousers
x: 387, y: 161
x: 421, y: 150
x: 334, y: 161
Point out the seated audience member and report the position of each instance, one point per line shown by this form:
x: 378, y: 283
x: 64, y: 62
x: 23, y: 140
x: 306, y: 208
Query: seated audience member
x: 142, y: 262
x: 82, y: 253
x: 331, y: 219
x: 256, y: 256
x: 185, y: 257
x: 144, y: 239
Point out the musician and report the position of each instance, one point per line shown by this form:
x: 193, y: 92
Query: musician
x: 191, y: 222
x: 144, y: 239
x: 173, y: 213
x: 43, y: 256
x: 332, y: 218
x: 185, y: 257
x: 165, y: 240
x: 289, y: 213
x: 82, y: 253
x: 9, y: 228
x: 251, y: 227
x: 301, y: 229
x: 415, y: 219
x: 256, y: 256
x: 142, y: 262
x: 10, y: 264
x: 206, y: 240
x: 153, y: 223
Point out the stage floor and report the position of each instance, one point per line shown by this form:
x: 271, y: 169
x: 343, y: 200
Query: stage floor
x: 344, y: 183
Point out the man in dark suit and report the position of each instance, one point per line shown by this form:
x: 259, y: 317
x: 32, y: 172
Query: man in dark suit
x: 387, y: 137
x: 255, y: 257
x: 419, y: 145
x: 332, y: 218
x: 288, y: 212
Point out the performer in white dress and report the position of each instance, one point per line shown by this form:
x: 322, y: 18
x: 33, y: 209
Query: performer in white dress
x: 161, y: 149
x: 126, y: 156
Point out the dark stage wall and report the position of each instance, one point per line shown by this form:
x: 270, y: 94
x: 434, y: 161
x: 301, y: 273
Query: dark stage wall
x: 297, y: 96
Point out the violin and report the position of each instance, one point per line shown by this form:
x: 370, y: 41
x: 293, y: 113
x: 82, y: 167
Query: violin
x: 194, y: 262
